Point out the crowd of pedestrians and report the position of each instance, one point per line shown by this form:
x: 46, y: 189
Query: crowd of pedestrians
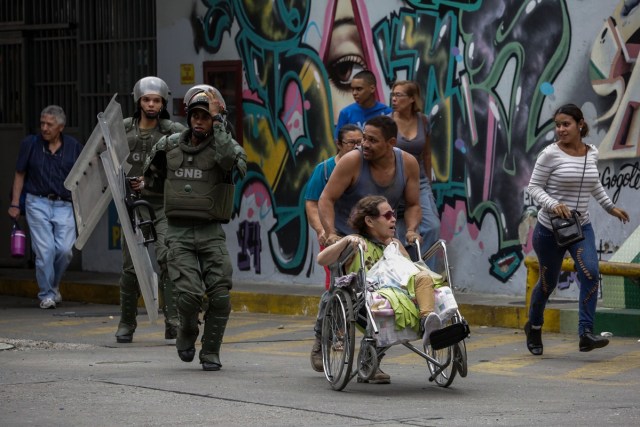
x: 382, y: 167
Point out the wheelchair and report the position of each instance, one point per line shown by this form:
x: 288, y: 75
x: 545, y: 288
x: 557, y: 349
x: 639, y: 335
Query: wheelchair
x: 349, y: 309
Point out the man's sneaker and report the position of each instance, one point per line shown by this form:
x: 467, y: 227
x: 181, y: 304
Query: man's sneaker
x: 47, y: 303
x: 316, y: 356
x: 58, y: 298
x: 429, y: 324
x: 380, y: 378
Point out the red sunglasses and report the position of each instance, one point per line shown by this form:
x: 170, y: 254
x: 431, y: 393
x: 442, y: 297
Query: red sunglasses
x: 388, y: 215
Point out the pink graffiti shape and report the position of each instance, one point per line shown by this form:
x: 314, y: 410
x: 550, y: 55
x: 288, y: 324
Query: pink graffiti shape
x: 449, y: 221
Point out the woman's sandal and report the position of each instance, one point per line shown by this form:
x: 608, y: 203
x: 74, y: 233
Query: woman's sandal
x: 534, y: 339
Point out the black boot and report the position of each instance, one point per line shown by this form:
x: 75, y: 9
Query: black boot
x: 213, y: 364
x: 188, y: 306
x: 215, y: 323
x: 128, y: 309
x: 534, y: 339
x: 589, y: 341
x: 187, y: 355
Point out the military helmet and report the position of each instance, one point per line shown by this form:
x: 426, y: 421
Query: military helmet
x: 199, y: 101
x: 151, y: 86
x: 204, y: 88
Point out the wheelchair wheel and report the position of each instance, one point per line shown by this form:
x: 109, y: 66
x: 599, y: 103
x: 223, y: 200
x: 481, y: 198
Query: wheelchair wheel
x: 460, y: 358
x: 443, y: 357
x: 367, y: 361
x: 338, y: 339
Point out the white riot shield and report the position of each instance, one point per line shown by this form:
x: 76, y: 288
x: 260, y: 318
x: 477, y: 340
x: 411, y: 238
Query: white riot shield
x: 97, y: 176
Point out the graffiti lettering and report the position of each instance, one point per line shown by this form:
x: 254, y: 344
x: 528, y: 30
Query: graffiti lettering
x: 484, y: 81
x: 627, y: 177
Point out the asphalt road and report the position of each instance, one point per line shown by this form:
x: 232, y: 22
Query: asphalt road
x: 66, y: 369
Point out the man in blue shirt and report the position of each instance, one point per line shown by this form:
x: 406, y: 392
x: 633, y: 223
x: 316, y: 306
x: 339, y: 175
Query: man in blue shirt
x: 44, y: 161
x: 363, y: 89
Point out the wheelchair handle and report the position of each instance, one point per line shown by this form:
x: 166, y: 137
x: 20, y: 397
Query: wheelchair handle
x: 417, y: 244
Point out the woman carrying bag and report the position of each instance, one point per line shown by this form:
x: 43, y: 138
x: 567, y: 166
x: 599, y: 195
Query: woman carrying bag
x: 565, y: 174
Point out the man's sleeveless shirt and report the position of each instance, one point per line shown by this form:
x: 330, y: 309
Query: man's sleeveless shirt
x: 365, y: 186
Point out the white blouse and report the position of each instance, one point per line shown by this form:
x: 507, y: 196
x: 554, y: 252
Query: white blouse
x: 556, y: 179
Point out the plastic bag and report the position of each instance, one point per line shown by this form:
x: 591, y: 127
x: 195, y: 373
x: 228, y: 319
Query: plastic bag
x: 445, y: 303
x: 393, y: 269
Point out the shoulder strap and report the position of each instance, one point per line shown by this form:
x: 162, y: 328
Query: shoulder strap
x: 584, y: 168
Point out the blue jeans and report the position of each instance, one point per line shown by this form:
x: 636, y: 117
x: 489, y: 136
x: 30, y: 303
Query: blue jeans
x: 429, y: 225
x: 53, y: 232
x: 550, y: 257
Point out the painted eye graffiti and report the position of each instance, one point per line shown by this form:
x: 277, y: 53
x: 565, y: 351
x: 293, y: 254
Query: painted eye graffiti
x: 342, y: 70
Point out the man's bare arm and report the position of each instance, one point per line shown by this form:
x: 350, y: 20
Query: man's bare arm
x: 18, y: 184
x: 341, y: 178
x: 413, y: 212
x: 311, y: 207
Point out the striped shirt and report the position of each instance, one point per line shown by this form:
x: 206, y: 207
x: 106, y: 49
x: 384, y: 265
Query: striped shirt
x: 556, y: 179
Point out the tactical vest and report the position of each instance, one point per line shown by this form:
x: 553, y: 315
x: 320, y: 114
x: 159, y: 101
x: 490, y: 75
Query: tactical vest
x: 195, y: 186
x: 140, y: 147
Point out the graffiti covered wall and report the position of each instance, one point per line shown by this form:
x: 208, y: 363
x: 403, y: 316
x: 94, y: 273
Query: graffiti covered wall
x: 491, y: 73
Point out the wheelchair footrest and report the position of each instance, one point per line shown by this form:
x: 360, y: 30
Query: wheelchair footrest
x: 449, y: 336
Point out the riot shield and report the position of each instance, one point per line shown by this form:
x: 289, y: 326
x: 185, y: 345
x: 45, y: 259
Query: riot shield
x: 98, y: 176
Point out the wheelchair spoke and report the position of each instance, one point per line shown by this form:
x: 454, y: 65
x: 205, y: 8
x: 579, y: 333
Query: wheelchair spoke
x: 338, y: 339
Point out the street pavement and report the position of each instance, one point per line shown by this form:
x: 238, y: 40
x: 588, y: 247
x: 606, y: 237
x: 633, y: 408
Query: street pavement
x: 297, y: 299
x: 65, y: 368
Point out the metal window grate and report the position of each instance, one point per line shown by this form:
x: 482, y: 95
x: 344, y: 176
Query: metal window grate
x: 11, y: 12
x: 11, y: 83
x: 74, y: 53
x: 117, y: 44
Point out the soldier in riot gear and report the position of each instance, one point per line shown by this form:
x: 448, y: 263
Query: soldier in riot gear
x: 195, y: 170
x: 149, y: 123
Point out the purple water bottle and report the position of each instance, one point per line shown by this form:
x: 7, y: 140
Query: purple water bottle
x: 18, y: 240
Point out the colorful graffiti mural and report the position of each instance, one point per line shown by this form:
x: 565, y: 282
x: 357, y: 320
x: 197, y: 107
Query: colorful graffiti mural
x: 490, y: 71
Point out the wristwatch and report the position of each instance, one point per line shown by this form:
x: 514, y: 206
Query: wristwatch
x: 218, y: 118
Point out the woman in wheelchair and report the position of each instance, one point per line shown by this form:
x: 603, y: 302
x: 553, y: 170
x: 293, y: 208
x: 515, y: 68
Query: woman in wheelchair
x: 375, y: 223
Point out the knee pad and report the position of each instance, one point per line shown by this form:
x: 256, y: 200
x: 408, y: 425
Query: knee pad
x: 219, y: 301
x: 188, y: 304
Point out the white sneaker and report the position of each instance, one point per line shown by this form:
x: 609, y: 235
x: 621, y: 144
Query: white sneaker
x: 430, y: 323
x: 58, y: 297
x: 47, y: 303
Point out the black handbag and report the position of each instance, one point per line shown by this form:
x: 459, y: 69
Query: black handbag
x: 568, y: 231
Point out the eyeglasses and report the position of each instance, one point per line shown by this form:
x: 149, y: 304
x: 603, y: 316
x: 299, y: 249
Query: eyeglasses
x: 398, y: 95
x: 389, y: 214
x: 352, y: 141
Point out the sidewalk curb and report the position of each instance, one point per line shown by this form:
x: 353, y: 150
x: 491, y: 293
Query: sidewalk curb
x: 621, y: 322
x: 259, y: 302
